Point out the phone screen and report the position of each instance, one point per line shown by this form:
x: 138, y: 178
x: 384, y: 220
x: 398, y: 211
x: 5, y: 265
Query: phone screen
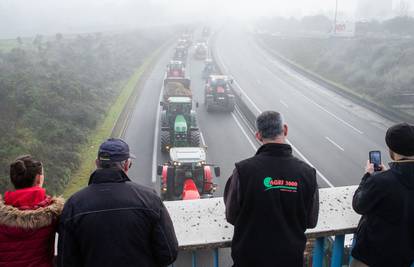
x: 375, y: 158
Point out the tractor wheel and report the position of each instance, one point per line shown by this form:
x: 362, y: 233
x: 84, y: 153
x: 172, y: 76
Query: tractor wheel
x: 195, y: 138
x: 165, y: 141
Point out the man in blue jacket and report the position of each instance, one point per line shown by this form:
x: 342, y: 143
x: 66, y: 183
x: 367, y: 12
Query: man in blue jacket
x: 113, y: 221
x: 385, y: 199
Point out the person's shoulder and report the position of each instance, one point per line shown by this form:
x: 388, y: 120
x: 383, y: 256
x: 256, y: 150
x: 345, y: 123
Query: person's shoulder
x: 303, y: 165
x: 246, y: 161
x: 78, y: 196
x: 383, y: 179
x: 142, y: 189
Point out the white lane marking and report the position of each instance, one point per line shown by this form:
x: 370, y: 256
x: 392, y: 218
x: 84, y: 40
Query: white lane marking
x: 293, y: 147
x: 284, y: 103
x: 335, y: 144
x: 155, y: 145
x: 248, y: 98
x: 246, y: 123
x: 244, y: 132
x: 202, y: 138
x: 305, y: 80
x: 333, y: 115
x: 237, y: 84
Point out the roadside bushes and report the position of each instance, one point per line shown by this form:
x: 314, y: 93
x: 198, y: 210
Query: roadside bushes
x: 54, y: 93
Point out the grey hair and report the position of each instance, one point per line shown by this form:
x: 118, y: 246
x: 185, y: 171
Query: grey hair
x: 112, y: 165
x: 270, y: 124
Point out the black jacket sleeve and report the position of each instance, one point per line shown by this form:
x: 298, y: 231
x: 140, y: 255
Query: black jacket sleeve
x: 232, y: 197
x: 164, y: 240
x: 367, y: 195
x: 68, y: 251
x: 313, y: 213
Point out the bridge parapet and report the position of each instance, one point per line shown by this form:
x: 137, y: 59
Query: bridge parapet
x: 201, y: 224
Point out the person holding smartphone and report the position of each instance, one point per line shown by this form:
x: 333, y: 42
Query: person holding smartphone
x: 385, y: 199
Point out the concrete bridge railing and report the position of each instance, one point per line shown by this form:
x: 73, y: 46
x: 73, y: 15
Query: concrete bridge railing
x: 201, y: 224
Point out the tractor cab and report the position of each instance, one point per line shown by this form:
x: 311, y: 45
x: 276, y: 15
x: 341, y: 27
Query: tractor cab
x: 218, y: 94
x: 186, y: 175
x: 180, y: 53
x: 179, y: 105
x: 175, y: 68
x: 178, y: 124
x: 218, y: 83
x: 201, y: 51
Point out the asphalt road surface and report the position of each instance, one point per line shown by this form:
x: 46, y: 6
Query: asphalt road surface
x: 327, y: 130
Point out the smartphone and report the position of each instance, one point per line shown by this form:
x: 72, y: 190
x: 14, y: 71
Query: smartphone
x: 375, y: 158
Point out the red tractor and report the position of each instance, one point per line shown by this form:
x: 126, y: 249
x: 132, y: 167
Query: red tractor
x: 218, y: 94
x: 187, y: 176
x: 175, y: 68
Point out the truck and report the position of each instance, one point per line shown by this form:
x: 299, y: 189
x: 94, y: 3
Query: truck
x: 187, y: 175
x: 218, y: 94
x: 178, y: 124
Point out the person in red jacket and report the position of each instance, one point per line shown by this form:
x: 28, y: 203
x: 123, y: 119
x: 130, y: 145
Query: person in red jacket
x: 28, y: 218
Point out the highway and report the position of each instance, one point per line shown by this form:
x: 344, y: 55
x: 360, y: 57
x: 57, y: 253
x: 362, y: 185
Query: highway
x: 227, y: 136
x: 326, y: 130
x: 332, y: 133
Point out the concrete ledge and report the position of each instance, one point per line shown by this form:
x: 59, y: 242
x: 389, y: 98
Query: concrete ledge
x: 201, y: 224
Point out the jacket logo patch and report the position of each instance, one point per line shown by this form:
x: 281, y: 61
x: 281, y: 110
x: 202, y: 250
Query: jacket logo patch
x: 281, y: 184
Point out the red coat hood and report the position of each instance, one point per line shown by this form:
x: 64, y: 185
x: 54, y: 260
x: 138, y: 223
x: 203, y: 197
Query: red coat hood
x: 27, y: 198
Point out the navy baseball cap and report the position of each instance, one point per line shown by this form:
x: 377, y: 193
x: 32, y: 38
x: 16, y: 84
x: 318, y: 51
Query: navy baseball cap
x: 115, y: 150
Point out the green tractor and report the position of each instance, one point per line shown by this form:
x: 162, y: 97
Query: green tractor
x: 178, y: 124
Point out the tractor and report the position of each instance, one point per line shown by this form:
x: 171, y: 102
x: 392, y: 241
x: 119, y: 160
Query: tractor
x: 178, y: 124
x: 175, y: 68
x: 187, y: 176
x: 201, y: 51
x: 218, y: 94
x: 180, y: 53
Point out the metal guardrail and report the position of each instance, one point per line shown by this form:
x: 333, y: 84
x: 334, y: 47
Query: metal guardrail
x: 201, y: 224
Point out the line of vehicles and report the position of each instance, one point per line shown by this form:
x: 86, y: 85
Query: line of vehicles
x: 187, y: 175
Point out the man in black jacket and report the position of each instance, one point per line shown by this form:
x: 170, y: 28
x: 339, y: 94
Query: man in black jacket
x: 113, y: 221
x: 385, y: 199
x: 271, y: 199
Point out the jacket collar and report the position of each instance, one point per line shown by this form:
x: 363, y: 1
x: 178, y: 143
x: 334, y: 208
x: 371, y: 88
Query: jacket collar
x: 100, y: 176
x: 275, y: 150
x: 11, y: 216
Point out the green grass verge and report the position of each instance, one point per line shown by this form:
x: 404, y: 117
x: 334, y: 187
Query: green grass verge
x: 80, y: 177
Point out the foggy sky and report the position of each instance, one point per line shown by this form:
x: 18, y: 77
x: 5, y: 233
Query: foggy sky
x: 29, y: 17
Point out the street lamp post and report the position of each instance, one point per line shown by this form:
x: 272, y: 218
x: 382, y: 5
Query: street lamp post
x: 336, y: 14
